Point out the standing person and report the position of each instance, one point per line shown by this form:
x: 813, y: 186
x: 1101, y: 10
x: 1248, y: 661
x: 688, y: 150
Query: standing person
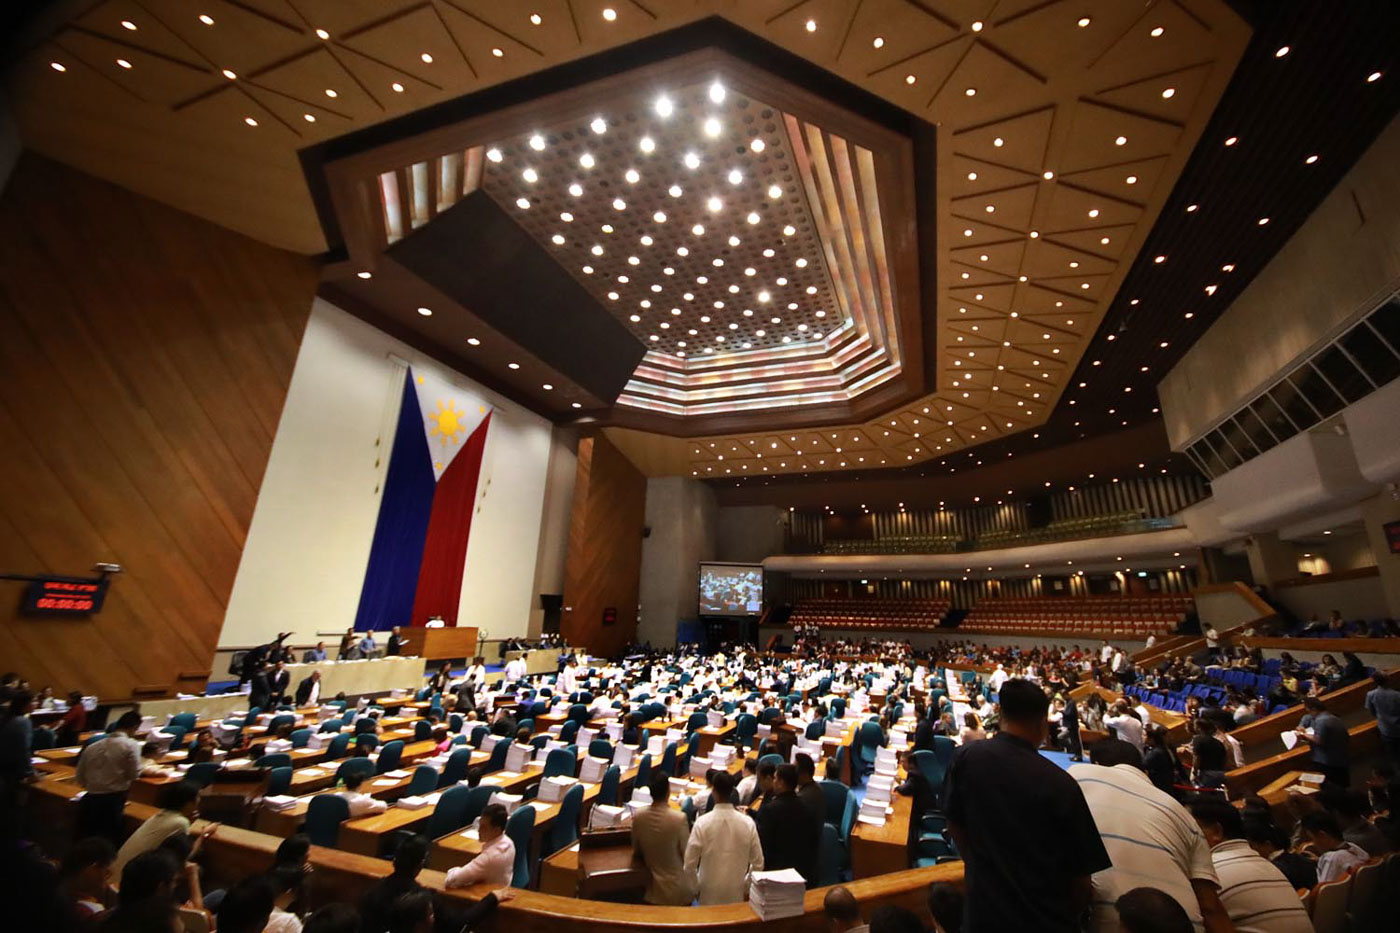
x: 347, y: 645
x: 279, y: 680
x: 106, y: 770
x: 476, y: 674
x: 396, y: 643
x: 16, y: 745
x: 309, y: 690
x: 1212, y: 641
x: 1253, y: 891
x: 1330, y: 743
x: 516, y: 668
x: 724, y: 849
x: 260, y: 688
x: 1159, y: 760
x: 788, y: 829
x: 1148, y: 836
x: 367, y: 647
x: 1125, y: 724
x: 659, y: 838
x: 74, y: 720
x: 1069, y: 724
x: 1383, y: 702
x: 1022, y: 826
x: 1208, y: 755
x: 808, y: 791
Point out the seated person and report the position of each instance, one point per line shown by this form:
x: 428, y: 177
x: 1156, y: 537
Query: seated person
x: 179, y: 806
x: 83, y: 879
x: 495, y: 864
x: 1335, y: 856
x: 360, y: 804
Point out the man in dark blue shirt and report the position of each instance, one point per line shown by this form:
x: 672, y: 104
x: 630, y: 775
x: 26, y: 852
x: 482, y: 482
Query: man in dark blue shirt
x: 1021, y: 825
x: 1383, y: 702
x: 1330, y: 743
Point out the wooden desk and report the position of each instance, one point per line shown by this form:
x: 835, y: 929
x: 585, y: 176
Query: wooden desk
x: 440, y: 644
x: 877, y: 850
x: 707, y: 738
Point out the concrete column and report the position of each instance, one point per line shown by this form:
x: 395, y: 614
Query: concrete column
x: 1376, y: 512
x: 1270, y: 559
x: 680, y: 521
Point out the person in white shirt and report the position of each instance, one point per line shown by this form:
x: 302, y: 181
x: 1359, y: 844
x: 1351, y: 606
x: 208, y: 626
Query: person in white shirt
x: 972, y: 730
x: 360, y: 804
x: 1151, y: 839
x: 1105, y: 653
x: 723, y: 849
x: 476, y: 674
x: 568, y: 679
x: 1127, y: 726
x: 1255, y: 893
x: 515, y: 670
x: 1151, y: 641
x: 1337, y: 856
x: 106, y: 770
x: 999, y: 677
x: 748, y: 784
x: 495, y: 864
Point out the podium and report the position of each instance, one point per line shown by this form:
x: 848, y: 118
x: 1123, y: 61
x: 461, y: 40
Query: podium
x: 440, y: 644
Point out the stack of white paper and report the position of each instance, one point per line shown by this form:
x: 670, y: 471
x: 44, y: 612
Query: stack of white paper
x: 674, y: 735
x: 716, y: 718
x: 585, y: 735
x: 411, y: 803
x: 518, y: 757
x: 698, y: 766
x: 606, y: 816
x: 279, y: 802
x: 489, y: 742
x: 899, y: 738
x: 872, y: 811
x: 679, y: 786
x: 835, y: 728
x: 721, y: 756
x: 278, y: 745
x: 509, y: 801
x: 613, y: 730
x: 623, y: 755
x: 776, y: 894
x: 552, y: 788
x: 885, y: 761
x: 592, y: 770
x: 641, y: 795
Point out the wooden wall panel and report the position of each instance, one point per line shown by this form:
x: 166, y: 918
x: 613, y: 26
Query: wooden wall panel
x: 604, y: 565
x: 144, y: 358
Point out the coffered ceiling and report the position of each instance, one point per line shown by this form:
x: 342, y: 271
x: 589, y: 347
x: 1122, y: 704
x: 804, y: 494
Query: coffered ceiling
x: 1059, y: 131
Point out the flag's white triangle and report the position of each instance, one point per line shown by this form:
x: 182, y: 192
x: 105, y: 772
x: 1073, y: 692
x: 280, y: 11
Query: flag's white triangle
x: 450, y: 415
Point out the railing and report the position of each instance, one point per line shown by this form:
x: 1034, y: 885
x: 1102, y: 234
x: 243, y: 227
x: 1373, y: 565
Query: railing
x: 1057, y: 531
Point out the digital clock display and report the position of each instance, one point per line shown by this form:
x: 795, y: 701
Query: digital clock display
x: 64, y: 596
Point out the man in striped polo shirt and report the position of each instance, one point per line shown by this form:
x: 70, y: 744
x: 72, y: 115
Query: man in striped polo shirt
x: 1255, y: 893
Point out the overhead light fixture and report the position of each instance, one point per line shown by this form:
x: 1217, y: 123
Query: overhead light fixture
x: 128, y: 24
x: 712, y: 127
x: 663, y: 106
x: 586, y: 160
x: 1281, y: 51
x: 322, y: 34
x: 646, y: 144
x: 58, y: 66
x: 206, y: 19
x: 512, y: 365
x: 609, y: 14
x: 599, y: 125
x: 1084, y: 21
x: 1168, y: 93
x: 229, y: 74
x: 427, y: 59
x: 365, y: 275
x: 717, y: 92
x: 811, y: 25
x: 472, y: 341
x: 691, y: 160
x: 757, y: 145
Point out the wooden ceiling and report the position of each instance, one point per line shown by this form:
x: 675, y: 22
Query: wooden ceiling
x: 1062, y: 130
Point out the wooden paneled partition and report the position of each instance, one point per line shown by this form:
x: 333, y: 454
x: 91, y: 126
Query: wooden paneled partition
x: 144, y: 358
x: 604, y: 567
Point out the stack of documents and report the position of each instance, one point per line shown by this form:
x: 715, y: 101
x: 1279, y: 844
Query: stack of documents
x: 518, y: 757
x: 592, y: 770
x: 776, y: 894
x: 552, y: 788
x: 622, y: 756
x: 280, y: 802
x: 606, y: 816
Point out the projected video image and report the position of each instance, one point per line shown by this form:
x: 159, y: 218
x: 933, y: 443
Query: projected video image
x: 731, y: 590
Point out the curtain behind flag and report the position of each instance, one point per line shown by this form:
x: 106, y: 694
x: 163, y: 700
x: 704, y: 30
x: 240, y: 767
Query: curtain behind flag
x: 418, y: 552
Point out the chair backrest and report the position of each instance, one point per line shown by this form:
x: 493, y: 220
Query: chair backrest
x: 697, y: 720
x: 498, y: 755
x: 454, y: 722
x: 450, y: 813
x: 943, y: 748
x: 477, y: 800
x: 283, y: 719
x: 560, y: 761
x: 324, y: 815
x: 202, y: 773
x: 275, y: 760
x: 456, y: 768
x: 564, y: 830
x: 527, y: 724
x: 600, y: 748
x: 422, y: 729
x: 1329, y: 906
x: 569, y: 731
x: 770, y: 714
x: 835, y: 794
x: 424, y: 781
x: 185, y: 721
x: 519, y: 828
x: 367, y: 741
x: 930, y: 767
x: 390, y: 756
x: 815, y: 729
x: 300, y: 738
x: 279, y: 781
x: 332, y: 725
x: 643, y: 778
x: 361, y: 766
x: 578, y: 713
x: 829, y: 857
x: 479, y: 733
x: 338, y: 746
x: 44, y: 737
x: 364, y: 725
x: 1364, y: 907
x: 668, y: 759
x: 607, y: 789
x: 745, y: 727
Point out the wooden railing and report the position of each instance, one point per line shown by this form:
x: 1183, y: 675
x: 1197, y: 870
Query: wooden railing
x: 1365, y: 739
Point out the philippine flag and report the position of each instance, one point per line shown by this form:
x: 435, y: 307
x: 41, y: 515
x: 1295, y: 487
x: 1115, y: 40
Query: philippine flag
x: 429, y: 496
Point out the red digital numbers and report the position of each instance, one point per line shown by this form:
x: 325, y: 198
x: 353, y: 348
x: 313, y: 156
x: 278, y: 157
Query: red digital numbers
x: 64, y: 603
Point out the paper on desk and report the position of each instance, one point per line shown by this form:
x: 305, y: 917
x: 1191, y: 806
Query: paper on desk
x: 1290, y: 739
x: 396, y: 774
x: 385, y: 782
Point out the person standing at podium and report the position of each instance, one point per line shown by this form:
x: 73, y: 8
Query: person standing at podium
x: 396, y: 643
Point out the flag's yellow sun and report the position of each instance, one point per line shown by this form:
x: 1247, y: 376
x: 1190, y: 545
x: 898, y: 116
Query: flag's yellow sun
x: 447, y: 423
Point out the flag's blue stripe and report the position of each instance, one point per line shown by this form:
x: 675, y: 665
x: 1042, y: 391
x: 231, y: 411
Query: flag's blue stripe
x: 404, y: 507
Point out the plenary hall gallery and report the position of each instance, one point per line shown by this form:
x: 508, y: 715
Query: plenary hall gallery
x: 687, y: 465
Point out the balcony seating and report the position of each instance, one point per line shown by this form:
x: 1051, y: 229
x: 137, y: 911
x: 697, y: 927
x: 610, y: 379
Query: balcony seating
x: 1087, y: 527
x: 872, y: 614
x: 1105, y: 616
x: 897, y: 544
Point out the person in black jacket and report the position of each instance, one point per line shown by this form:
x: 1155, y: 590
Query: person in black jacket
x: 260, y: 688
x: 788, y: 831
x: 1069, y: 722
x: 278, y: 680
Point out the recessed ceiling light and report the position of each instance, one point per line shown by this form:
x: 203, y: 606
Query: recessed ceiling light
x: 426, y: 312
x: 717, y: 92
x: 558, y: 239
x: 124, y: 63
x: 735, y: 176
x: 1310, y: 160
x: 497, y: 52
x: 619, y: 204
x: 530, y: 175
x: 1131, y: 179
x: 1083, y: 21
x: 910, y: 79
x: 535, y: 19
x: 250, y: 121
x: 1093, y: 212
x: 566, y: 217
x: 811, y: 25
x: 1230, y: 141
x: 586, y: 160
x: 691, y: 160
x: 632, y: 176
x: 712, y: 127
x: 513, y: 365
x: 753, y: 217
x: 998, y: 142
x: 1120, y: 141
x: 1263, y: 221
x: 206, y: 19
x: 473, y: 341
x: 646, y: 144
x: 427, y: 59
x: 757, y: 145
x: 576, y: 189
x: 714, y: 204
x: 229, y: 74
x: 537, y: 142
x: 1168, y: 93
x: 330, y: 92
x: 398, y: 88
x: 308, y: 117
x: 58, y: 66
x: 609, y: 14
x: 577, y: 405
x: 1160, y: 259
x: 663, y: 106
x: 365, y: 275
x: 522, y: 203
x: 1373, y: 77
x: 1282, y: 51
x: 322, y: 34
x: 1192, y: 208
x: 599, y: 125
x: 971, y: 92
x: 128, y: 24
x: 878, y: 42
x: 1047, y: 175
